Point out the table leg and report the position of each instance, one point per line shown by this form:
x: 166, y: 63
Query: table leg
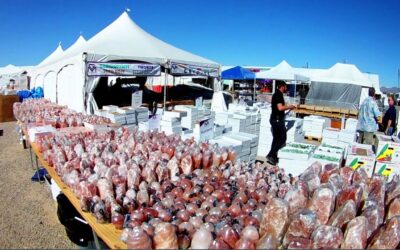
x: 30, y: 155
x: 96, y: 240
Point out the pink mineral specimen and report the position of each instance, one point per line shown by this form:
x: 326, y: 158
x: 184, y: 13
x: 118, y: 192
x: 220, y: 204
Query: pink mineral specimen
x: 347, y: 174
x: 349, y: 193
x: 323, y: 204
x: 393, y: 189
x: 374, y: 218
x: 302, y: 226
x: 311, y: 177
x: 275, y: 218
x: 355, y: 236
x: 337, y: 183
x: 388, y: 236
x: 300, y: 243
x: 360, y: 176
x: 267, y: 242
x: 377, y: 189
x: 394, y: 208
x: 297, y: 199
x: 343, y: 214
x: 329, y: 169
x: 327, y: 237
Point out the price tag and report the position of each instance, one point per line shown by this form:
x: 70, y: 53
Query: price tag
x: 137, y: 99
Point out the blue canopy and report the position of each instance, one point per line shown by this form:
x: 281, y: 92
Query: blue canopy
x: 237, y: 73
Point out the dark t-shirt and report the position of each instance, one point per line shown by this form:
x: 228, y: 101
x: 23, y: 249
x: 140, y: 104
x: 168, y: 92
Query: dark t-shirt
x: 276, y: 114
x: 389, y: 115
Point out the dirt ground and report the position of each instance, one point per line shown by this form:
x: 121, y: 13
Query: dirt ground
x: 28, y: 214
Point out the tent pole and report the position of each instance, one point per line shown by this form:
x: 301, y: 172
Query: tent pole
x: 254, y: 90
x: 165, y: 87
x: 273, y: 86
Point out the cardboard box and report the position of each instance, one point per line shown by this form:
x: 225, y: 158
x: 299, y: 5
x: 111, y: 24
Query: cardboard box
x: 320, y: 156
x: 387, y: 169
x: 293, y: 167
x: 388, y: 149
x: 361, y: 161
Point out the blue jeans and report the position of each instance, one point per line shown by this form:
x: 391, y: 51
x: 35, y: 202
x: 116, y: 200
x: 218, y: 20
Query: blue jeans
x: 390, y: 131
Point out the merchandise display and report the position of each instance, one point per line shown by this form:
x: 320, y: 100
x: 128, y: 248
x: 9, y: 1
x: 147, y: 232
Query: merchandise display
x: 166, y: 192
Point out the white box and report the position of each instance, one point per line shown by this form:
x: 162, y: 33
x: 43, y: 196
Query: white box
x: 293, y: 167
x: 387, y: 169
x: 388, y: 149
x: 112, y: 108
x: 358, y: 161
x: 34, y: 132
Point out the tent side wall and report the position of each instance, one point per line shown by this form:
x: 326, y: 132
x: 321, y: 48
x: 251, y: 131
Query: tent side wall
x: 70, y: 84
x: 334, y: 95
x: 49, y: 86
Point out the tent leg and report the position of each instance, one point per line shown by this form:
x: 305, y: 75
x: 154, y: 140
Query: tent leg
x: 273, y: 86
x: 165, y: 88
x: 254, y: 90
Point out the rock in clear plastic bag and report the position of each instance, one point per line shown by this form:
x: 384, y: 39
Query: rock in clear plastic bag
x: 323, y: 204
x: 302, y: 226
x: 275, y: 218
x: 165, y: 236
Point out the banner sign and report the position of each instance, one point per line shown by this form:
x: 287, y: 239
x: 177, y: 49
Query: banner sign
x: 122, y: 69
x: 192, y: 70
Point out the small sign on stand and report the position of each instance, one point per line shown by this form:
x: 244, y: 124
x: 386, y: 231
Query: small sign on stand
x: 137, y: 99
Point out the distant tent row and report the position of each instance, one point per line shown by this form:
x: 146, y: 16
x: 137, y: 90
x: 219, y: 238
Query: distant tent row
x: 65, y: 75
x: 342, y: 85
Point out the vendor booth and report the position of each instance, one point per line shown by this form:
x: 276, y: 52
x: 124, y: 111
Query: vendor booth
x: 121, y: 49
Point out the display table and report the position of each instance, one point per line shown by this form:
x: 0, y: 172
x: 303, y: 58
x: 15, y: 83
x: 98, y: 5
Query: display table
x: 107, y: 232
x: 6, y: 107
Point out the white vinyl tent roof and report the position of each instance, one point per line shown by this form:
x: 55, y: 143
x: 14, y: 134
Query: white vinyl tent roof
x: 282, y: 71
x: 125, y: 38
x: 53, y: 57
x: 75, y: 48
x: 10, y: 69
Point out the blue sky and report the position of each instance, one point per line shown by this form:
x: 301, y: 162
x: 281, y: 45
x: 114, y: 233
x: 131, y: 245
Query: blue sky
x: 231, y: 32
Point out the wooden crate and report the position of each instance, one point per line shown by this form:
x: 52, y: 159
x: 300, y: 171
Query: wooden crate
x: 353, y: 112
x: 344, y: 111
x: 6, y: 107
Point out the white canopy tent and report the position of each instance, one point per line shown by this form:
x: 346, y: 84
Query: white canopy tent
x: 16, y: 73
x: 39, y: 75
x: 122, y: 40
x: 282, y: 71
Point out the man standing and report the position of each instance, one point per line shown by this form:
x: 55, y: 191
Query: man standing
x: 277, y: 121
x: 367, y: 118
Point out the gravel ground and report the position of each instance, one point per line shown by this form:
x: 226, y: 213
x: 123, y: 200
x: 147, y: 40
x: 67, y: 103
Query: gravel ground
x: 28, y: 214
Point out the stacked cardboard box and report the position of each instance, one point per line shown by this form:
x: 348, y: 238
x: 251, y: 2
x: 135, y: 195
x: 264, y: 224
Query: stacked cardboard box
x: 192, y: 115
x: 313, y: 126
x: 361, y: 156
x: 265, y: 136
x: 351, y: 124
x: 295, y: 157
x: 204, y: 130
x: 388, y: 156
x: 294, y: 129
x: 170, y: 124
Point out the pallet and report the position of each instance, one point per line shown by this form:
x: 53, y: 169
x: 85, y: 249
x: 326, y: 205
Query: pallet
x: 312, y: 138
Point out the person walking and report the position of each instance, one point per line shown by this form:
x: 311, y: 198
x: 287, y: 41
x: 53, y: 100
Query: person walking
x: 389, y: 119
x: 367, y: 118
x: 277, y: 121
